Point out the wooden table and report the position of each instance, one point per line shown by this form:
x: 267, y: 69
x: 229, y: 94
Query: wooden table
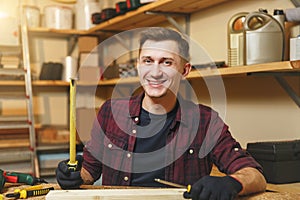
x: 283, y: 192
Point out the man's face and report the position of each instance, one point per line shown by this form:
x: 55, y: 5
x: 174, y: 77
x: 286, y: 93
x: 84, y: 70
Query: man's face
x: 160, y: 68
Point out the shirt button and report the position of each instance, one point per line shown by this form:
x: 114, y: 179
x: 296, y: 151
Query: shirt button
x: 109, y: 145
x: 236, y: 149
x: 134, y: 131
x: 136, y: 119
x: 191, y: 151
x: 126, y: 178
x: 128, y: 155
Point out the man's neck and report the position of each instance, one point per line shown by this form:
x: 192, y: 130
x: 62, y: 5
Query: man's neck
x: 160, y: 105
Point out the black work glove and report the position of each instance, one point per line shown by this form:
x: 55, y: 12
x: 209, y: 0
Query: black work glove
x: 214, y: 188
x: 68, y: 178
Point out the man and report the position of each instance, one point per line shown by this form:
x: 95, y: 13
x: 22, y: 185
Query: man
x: 158, y: 134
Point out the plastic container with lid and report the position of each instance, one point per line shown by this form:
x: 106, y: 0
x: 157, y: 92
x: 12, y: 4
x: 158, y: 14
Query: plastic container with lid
x: 58, y: 17
x: 32, y: 14
x: 84, y: 11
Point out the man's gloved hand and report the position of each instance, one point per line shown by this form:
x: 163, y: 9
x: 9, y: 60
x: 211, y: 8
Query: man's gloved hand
x: 68, y: 178
x: 214, y: 188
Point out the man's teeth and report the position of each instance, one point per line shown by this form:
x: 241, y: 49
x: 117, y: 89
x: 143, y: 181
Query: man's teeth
x: 156, y: 82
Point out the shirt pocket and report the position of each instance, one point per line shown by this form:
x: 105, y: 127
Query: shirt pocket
x: 196, y: 166
x: 193, y: 160
x: 114, y: 152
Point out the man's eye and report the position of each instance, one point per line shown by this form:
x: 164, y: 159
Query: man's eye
x: 168, y: 62
x: 147, y: 61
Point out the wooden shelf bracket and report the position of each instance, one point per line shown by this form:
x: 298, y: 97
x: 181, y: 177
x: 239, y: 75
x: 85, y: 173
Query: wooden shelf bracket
x: 279, y: 77
x: 285, y: 85
x: 72, y: 41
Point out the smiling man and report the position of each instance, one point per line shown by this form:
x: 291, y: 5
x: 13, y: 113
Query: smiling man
x: 159, y: 134
x: 161, y: 69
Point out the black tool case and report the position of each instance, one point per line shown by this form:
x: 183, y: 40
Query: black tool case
x: 280, y: 160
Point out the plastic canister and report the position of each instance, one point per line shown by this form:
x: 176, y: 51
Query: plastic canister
x: 84, y: 11
x: 264, y: 39
x: 58, y: 17
x: 295, y: 48
x: 235, y: 38
x: 69, y: 68
x: 279, y: 16
x: 32, y: 14
x: 104, y: 4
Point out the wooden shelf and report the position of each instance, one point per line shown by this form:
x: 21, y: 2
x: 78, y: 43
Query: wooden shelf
x: 138, y: 18
x: 46, y: 83
x: 132, y: 19
x: 286, y: 66
x: 56, y: 33
x: 244, y: 70
x: 228, y: 71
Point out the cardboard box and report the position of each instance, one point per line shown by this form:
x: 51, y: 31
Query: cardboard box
x: 85, y: 120
x: 87, y: 43
x: 280, y: 160
x: 89, y: 75
x: 88, y: 60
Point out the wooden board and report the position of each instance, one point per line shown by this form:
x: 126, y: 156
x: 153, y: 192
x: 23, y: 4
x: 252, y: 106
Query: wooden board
x: 117, y: 194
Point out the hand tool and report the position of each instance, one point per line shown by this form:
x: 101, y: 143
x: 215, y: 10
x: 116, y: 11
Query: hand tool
x: 72, y: 162
x: 17, y: 177
x: 29, y: 192
x: 188, y: 187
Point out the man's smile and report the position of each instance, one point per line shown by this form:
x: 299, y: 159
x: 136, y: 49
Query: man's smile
x: 155, y: 82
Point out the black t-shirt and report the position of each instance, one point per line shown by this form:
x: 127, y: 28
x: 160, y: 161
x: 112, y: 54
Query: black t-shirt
x: 151, y: 136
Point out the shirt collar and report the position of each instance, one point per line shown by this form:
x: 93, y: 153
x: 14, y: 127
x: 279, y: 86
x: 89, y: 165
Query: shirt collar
x: 136, y: 102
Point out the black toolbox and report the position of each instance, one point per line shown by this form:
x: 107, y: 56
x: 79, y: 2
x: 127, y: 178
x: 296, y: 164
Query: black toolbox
x: 280, y: 160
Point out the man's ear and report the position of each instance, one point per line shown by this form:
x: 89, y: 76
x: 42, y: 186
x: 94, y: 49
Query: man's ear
x: 186, y: 69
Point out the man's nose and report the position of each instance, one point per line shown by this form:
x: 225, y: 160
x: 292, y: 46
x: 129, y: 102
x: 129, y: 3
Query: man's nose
x: 156, y: 70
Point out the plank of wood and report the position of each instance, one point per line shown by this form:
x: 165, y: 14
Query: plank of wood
x: 115, y: 194
x: 14, y: 143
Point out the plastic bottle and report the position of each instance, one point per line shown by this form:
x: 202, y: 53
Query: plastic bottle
x: 279, y: 16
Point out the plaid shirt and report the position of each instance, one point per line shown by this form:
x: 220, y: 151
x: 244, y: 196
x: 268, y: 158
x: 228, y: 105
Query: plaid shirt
x: 198, y: 138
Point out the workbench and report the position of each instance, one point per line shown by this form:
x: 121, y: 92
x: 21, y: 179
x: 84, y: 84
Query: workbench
x: 279, y: 192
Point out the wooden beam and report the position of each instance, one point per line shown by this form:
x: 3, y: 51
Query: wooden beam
x: 113, y: 194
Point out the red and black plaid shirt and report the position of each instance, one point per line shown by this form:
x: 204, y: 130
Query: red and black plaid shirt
x: 198, y: 138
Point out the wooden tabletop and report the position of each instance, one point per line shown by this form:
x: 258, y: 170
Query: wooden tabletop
x: 279, y: 192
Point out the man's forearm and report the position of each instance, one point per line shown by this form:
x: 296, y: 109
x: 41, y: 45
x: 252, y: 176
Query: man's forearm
x: 86, y: 177
x: 251, y: 179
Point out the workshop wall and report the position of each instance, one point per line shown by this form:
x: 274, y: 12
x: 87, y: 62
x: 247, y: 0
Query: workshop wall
x: 257, y: 108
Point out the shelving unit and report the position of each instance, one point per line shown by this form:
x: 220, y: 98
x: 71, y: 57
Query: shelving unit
x: 19, y: 130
